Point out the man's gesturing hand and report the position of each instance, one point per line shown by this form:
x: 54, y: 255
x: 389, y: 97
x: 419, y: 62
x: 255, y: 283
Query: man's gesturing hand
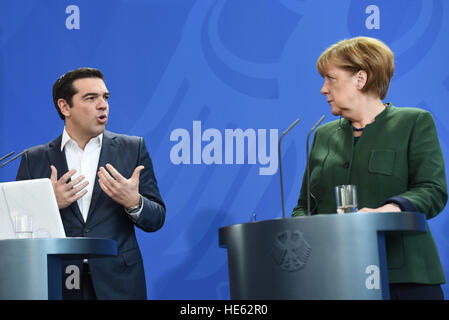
x: 67, y: 193
x: 121, y: 190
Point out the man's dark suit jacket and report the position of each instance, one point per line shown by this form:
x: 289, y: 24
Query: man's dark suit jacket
x: 120, y: 277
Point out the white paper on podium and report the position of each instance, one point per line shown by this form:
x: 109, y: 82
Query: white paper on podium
x: 34, y: 198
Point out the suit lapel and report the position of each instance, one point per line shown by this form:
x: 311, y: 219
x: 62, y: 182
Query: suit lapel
x: 107, y: 155
x: 58, y: 159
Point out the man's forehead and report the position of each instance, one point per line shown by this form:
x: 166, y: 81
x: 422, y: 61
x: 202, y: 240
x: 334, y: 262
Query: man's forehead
x: 90, y: 85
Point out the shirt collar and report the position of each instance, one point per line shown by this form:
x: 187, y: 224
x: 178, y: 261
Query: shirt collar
x: 66, y: 138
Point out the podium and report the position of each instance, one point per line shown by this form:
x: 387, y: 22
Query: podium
x: 30, y: 269
x: 325, y: 256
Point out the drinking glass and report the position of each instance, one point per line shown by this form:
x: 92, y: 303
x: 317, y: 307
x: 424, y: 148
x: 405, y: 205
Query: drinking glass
x: 23, y: 226
x: 346, y: 197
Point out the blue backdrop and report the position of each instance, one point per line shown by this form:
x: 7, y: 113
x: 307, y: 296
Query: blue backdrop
x: 194, y: 78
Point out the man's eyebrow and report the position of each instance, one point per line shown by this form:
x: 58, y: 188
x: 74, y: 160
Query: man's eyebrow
x: 90, y: 94
x: 94, y: 94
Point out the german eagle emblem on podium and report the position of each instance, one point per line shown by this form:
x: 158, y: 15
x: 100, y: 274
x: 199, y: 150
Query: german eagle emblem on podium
x: 290, y: 250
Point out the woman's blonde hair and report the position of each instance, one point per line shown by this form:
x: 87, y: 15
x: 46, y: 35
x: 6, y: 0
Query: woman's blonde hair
x: 362, y: 53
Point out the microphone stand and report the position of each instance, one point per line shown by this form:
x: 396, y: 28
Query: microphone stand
x: 12, y: 159
x: 6, y: 156
x: 280, y: 164
x: 308, y: 165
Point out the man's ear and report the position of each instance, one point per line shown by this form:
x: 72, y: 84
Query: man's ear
x: 361, y: 78
x: 64, y: 107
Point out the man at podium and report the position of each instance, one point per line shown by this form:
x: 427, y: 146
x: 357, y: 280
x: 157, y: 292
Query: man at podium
x: 103, y: 182
x: 391, y: 154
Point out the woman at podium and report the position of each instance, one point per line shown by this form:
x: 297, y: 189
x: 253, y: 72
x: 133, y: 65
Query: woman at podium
x: 392, y: 154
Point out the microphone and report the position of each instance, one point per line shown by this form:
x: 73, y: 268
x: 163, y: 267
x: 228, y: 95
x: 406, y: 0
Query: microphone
x: 12, y: 159
x: 280, y: 164
x: 307, y: 163
x: 4, y: 157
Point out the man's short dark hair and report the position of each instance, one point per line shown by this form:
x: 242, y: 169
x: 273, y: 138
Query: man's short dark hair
x: 64, y: 89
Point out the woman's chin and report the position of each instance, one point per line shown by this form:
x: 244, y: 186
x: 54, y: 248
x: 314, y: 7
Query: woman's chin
x: 336, y: 112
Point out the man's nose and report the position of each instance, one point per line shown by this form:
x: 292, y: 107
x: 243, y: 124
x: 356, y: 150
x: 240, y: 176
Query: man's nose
x: 102, y: 104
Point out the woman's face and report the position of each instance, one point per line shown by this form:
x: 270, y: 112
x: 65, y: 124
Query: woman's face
x: 342, y: 90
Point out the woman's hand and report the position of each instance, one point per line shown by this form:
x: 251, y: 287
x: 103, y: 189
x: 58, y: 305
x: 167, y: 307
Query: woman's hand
x: 389, y: 207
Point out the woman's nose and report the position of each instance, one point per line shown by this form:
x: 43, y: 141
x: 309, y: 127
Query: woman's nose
x: 324, y: 89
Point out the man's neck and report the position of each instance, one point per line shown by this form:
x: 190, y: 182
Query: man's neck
x: 80, y: 140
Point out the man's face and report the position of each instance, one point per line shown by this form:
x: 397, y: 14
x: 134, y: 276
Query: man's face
x: 88, y: 115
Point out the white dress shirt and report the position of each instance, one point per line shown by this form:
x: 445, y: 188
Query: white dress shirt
x: 85, y: 162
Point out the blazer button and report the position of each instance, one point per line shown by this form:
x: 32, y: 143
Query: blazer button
x: 86, y: 230
x: 346, y: 165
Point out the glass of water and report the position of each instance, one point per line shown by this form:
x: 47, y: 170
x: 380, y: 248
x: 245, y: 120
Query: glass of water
x: 346, y: 197
x: 23, y: 226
